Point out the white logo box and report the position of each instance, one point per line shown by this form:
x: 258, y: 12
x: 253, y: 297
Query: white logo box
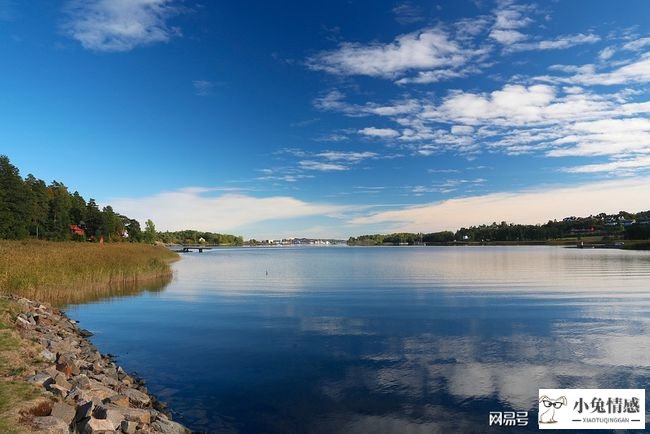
x: 591, y: 409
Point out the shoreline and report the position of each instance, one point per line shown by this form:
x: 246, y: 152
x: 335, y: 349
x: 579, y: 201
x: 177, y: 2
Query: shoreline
x: 81, y: 390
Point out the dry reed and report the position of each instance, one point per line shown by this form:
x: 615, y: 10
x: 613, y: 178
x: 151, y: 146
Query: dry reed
x: 69, y: 272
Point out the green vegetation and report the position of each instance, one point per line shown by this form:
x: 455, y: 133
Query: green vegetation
x: 31, y: 209
x: 196, y: 237
x: 68, y: 272
x: 595, y: 228
x: 13, y: 391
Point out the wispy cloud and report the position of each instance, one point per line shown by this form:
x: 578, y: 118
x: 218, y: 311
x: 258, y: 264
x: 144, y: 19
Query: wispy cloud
x: 321, y: 166
x: 119, y: 25
x: 384, y: 133
x: 558, y: 43
x: 203, y: 87
x: 432, y: 49
x: 408, y: 13
x: 221, y: 213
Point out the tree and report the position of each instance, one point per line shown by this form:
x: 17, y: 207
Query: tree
x: 93, y: 219
x: 149, y: 231
x: 39, y: 205
x: 15, y: 202
x: 60, y: 203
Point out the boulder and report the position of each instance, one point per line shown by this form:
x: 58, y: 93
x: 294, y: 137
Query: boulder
x: 169, y: 427
x: 50, y: 425
x: 64, y: 412
x: 137, y: 398
x: 131, y: 414
x: 22, y: 322
x: 41, y: 379
x: 57, y: 390
x: 85, y: 333
x: 48, y: 356
x: 119, y: 400
x: 61, y: 380
x: 128, y: 427
x: 81, y: 381
x: 84, y: 410
x: 97, y: 426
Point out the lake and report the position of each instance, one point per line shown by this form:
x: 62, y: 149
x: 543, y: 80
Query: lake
x: 380, y: 340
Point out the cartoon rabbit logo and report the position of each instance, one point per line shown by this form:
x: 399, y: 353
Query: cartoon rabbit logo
x: 548, y: 407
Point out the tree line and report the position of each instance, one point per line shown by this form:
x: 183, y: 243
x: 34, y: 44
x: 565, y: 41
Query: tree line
x: 197, y: 237
x: 623, y: 225
x: 30, y: 208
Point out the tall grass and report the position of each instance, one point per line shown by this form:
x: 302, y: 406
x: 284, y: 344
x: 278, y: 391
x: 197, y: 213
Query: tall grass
x: 68, y: 272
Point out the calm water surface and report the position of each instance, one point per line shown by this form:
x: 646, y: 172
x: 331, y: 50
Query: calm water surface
x: 380, y: 340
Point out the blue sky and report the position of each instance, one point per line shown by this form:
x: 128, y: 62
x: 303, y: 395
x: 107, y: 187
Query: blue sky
x: 272, y: 119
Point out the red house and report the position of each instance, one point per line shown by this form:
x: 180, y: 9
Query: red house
x: 76, y: 230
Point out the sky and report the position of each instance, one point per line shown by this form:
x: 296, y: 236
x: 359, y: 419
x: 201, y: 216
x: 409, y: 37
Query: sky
x: 331, y: 119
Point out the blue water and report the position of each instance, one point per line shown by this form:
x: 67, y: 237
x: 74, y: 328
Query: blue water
x: 380, y: 340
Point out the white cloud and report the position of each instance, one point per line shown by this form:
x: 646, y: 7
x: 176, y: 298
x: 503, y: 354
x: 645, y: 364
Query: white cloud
x: 637, y: 44
x: 321, y: 166
x: 352, y: 157
x: 613, y: 137
x: 224, y: 213
x: 530, y: 207
x: 119, y: 25
x: 559, y: 43
x: 427, y: 49
x: 512, y: 16
x: 203, y: 87
x: 626, y: 165
x: 407, y: 13
x: 462, y: 130
x: 384, y: 133
x: 637, y: 71
x: 507, y: 37
x: 606, y: 53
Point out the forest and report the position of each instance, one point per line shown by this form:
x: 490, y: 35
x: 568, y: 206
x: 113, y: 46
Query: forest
x: 30, y: 208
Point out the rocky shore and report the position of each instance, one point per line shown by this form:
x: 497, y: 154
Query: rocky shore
x: 87, y: 392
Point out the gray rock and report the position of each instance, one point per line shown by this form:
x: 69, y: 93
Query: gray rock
x: 84, y: 410
x: 41, y: 379
x: 128, y: 427
x: 57, y: 390
x: 169, y: 427
x: 50, y: 425
x: 61, y: 380
x: 97, y: 426
x: 81, y: 381
x: 48, y: 356
x: 119, y: 400
x: 64, y: 412
x: 137, y: 398
x: 22, y: 322
x: 85, y: 333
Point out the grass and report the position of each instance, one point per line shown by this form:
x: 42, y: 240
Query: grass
x: 67, y: 272
x: 13, y: 361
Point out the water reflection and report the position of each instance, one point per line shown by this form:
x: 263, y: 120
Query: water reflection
x: 119, y: 289
x: 380, y: 340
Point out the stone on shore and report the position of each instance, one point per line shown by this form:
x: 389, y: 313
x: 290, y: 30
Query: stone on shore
x: 97, y: 426
x: 50, y: 425
x: 137, y: 398
x: 64, y: 412
x: 91, y: 393
x: 41, y: 379
x: 128, y: 427
x: 169, y: 427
